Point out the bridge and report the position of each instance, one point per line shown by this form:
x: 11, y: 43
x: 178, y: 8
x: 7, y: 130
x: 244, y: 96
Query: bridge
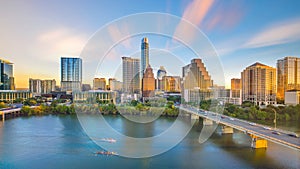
x: 259, y: 133
x: 9, y: 111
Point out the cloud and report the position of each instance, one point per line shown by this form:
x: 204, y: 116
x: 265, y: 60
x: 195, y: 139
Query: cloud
x: 224, y: 16
x: 61, y: 42
x: 194, y: 13
x: 118, y: 34
x: 279, y: 33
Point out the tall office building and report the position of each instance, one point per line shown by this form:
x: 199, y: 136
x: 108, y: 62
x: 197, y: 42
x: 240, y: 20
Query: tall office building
x: 144, y: 55
x: 196, y: 82
x: 160, y: 74
x: 259, y: 84
x: 38, y: 86
x: 171, y: 84
x: 148, y: 83
x: 288, y: 75
x: 131, y: 75
x: 6, y: 78
x: 71, y: 74
x: 236, y: 88
x: 99, y: 84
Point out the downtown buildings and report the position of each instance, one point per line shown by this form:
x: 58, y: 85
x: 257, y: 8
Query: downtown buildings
x: 288, y: 76
x: 71, y: 74
x: 131, y: 76
x: 259, y: 84
x: 38, y: 87
x: 6, y: 78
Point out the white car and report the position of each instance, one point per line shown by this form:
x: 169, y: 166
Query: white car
x: 267, y: 128
x: 231, y: 119
x: 252, y: 124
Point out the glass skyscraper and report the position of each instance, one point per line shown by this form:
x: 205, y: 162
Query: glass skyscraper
x: 160, y: 74
x: 6, y: 78
x: 144, y: 55
x: 71, y: 74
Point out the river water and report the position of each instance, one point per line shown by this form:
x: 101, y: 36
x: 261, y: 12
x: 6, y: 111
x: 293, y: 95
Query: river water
x: 61, y: 142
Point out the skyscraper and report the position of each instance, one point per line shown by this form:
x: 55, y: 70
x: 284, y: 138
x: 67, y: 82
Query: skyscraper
x: 71, y: 74
x: 288, y: 75
x: 131, y: 76
x: 236, y: 88
x: 196, y: 82
x: 160, y: 74
x: 6, y: 78
x: 148, y: 83
x: 259, y: 84
x: 144, y: 55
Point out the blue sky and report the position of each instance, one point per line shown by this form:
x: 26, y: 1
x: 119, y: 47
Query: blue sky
x: 35, y: 34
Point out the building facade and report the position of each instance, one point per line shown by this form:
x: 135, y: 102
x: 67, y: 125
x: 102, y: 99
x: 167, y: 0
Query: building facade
x: 131, y: 77
x: 196, y: 82
x: 160, y: 74
x: 171, y: 84
x: 148, y: 83
x: 38, y: 86
x: 6, y: 78
x: 144, y: 55
x: 259, y: 84
x: 71, y: 74
x: 11, y: 95
x: 99, y: 84
x: 95, y: 95
x: 292, y: 97
x: 115, y: 85
x: 288, y: 75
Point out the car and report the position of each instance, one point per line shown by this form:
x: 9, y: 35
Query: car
x: 222, y: 117
x: 267, y: 128
x: 276, y: 133
x: 293, y: 135
x: 252, y: 124
x: 231, y: 119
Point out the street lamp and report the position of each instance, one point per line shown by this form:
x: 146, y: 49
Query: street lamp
x: 275, y: 117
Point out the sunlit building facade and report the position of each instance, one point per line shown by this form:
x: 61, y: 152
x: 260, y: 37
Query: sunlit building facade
x: 171, y: 84
x: 99, y: 84
x: 148, y: 83
x: 288, y: 75
x: 38, y: 86
x: 259, y: 84
x: 131, y: 77
x: 71, y: 74
x: 196, y: 82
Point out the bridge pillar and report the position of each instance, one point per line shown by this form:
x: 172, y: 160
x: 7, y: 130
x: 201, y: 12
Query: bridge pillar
x: 258, y: 142
x: 207, y: 122
x: 194, y: 117
x: 227, y: 130
x: 3, y: 116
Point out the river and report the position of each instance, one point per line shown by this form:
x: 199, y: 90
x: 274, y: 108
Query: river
x: 61, y: 142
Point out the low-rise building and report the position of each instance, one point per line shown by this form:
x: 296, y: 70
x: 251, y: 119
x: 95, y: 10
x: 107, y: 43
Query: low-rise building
x: 99, y: 95
x: 12, y: 95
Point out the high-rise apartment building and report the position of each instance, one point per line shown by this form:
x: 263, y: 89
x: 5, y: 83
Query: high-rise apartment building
x: 236, y: 88
x: 6, y: 75
x: 99, y: 84
x: 131, y: 75
x: 259, y: 84
x: 38, y: 86
x: 160, y: 74
x: 144, y: 55
x: 71, y: 74
x: 196, y: 81
x: 148, y: 83
x: 171, y: 84
x: 288, y: 75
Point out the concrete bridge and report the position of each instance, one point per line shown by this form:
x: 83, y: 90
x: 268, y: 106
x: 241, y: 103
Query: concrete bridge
x: 9, y: 111
x: 260, y: 134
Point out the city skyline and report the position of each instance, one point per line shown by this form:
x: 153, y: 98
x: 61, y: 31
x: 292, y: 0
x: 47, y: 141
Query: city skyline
x: 242, y: 32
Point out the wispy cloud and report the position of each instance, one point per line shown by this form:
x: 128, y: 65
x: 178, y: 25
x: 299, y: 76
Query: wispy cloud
x: 224, y: 16
x: 279, y: 33
x: 62, y: 41
x: 194, y: 13
x: 118, y: 34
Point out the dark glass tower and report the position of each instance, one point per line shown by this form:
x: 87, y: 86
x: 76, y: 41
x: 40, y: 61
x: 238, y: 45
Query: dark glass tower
x: 144, y: 55
x: 6, y: 78
x: 71, y: 74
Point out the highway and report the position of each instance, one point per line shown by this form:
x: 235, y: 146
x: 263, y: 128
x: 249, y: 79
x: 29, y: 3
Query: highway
x: 261, y: 131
